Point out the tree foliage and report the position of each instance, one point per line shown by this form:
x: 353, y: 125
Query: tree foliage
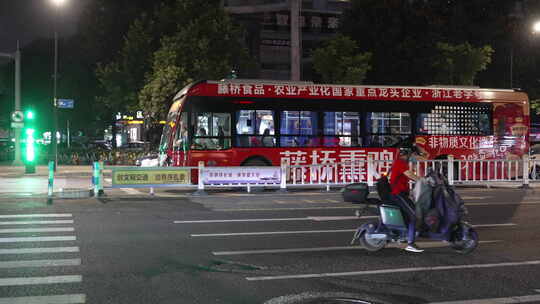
x: 403, y: 36
x: 181, y: 41
x: 340, y: 62
x: 459, y: 64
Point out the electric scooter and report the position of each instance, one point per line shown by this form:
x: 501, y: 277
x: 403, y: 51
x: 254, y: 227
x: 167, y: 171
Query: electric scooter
x: 391, y: 226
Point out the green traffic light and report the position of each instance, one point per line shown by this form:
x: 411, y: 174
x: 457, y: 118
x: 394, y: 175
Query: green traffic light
x: 29, y: 115
x: 30, y: 149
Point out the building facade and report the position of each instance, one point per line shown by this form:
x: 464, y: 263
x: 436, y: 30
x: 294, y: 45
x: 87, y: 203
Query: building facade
x: 268, y: 31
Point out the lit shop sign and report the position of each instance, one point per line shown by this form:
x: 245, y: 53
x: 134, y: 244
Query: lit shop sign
x: 138, y: 115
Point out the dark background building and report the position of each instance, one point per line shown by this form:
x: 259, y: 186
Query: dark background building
x: 268, y: 32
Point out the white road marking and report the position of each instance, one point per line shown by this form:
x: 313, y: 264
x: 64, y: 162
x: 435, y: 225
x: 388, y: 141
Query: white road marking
x: 36, y: 222
x: 244, y: 220
x: 39, y: 250
x: 502, y: 204
x: 284, y: 209
x: 355, y: 207
x: 475, y: 197
x: 313, y: 231
x: 36, y: 215
x: 38, y: 239
x: 336, y: 248
x: 494, y: 225
x: 333, y: 201
x: 131, y: 191
x: 280, y: 202
x: 58, y: 299
x: 509, y: 300
x: 392, y: 271
x: 40, y: 263
x: 22, y: 230
x: 309, y: 218
x: 271, y: 233
x: 340, y: 218
x: 311, y: 201
x: 40, y: 280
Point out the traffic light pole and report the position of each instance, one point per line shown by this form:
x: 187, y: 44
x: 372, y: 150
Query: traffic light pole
x: 54, y: 140
x: 17, y: 58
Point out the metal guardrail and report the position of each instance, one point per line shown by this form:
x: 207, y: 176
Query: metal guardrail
x: 458, y: 172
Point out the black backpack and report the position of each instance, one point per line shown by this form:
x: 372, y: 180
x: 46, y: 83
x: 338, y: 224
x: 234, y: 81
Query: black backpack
x: 384, y: 189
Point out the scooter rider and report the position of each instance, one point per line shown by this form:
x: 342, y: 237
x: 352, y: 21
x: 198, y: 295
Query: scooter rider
x: 399, y: 182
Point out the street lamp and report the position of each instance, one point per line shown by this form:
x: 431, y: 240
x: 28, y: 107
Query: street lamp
x: 57, y: 4
x: 536, y: 27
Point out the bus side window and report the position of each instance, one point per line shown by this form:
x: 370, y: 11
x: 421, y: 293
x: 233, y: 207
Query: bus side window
x: 255, y: 128
x: 342, y: 128
x: 299, y: 129
x: 212, y: 131
x: 388, y: 129
x: 221, y: 128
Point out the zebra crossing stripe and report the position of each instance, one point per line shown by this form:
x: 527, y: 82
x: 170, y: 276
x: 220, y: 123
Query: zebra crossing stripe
x: 38, y: 239
x: 36, y: 215
x: 40, y: 263
x: 36, y: 222
x: 63, y: 279
x: 39, y: 250
x: 23, y: 230
x: 57, y: 299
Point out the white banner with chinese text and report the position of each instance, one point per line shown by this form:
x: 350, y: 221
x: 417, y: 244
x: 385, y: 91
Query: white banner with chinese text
x: 241, y: 175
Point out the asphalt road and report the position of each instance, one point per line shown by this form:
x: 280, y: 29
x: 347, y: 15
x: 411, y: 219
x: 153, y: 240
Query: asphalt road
x: 251, y: 248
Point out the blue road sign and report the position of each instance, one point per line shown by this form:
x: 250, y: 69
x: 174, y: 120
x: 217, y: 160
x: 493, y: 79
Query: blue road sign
x: 65, y: 103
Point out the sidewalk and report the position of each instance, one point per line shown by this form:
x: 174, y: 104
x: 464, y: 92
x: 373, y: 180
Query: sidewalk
x: 62, y: 171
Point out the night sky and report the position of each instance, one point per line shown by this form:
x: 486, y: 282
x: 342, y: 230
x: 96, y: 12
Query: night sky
x: 26, y: 20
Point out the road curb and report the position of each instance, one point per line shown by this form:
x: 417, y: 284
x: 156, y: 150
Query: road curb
x: 73, y: 193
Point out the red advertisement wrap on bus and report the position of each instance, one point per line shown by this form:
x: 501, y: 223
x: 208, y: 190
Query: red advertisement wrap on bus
x: 263, y: 123
x: 511, y: 139
x: 338, y: 92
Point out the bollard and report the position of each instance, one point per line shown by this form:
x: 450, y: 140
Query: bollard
x: 101, y: 179
x: 450, y: 167
x: 152, y: 191
x: 526, y: 166
x: 98, y: 179
x: 283, y: 181
x: 50, y: 187
x: 200, y: 184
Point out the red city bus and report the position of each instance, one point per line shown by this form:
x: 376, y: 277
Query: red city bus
x: 260, y: 123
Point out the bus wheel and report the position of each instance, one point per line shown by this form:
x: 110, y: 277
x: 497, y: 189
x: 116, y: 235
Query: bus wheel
x: 256, y: 162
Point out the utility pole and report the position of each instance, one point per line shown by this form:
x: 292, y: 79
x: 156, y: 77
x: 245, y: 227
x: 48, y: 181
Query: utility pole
x: 54, y: 140
x: 295, y: 40
x: 17, y: 58
x: 17, y: 161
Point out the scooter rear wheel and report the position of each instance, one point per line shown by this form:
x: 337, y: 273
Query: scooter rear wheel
x: 466, y: 244
x: 371, y: 244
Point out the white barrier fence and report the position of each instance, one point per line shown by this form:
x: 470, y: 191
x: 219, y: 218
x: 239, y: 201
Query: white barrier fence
x: 519, y: 172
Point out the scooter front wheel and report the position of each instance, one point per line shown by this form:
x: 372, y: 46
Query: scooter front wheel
x: 467, y: 243
x: 371, y: 244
